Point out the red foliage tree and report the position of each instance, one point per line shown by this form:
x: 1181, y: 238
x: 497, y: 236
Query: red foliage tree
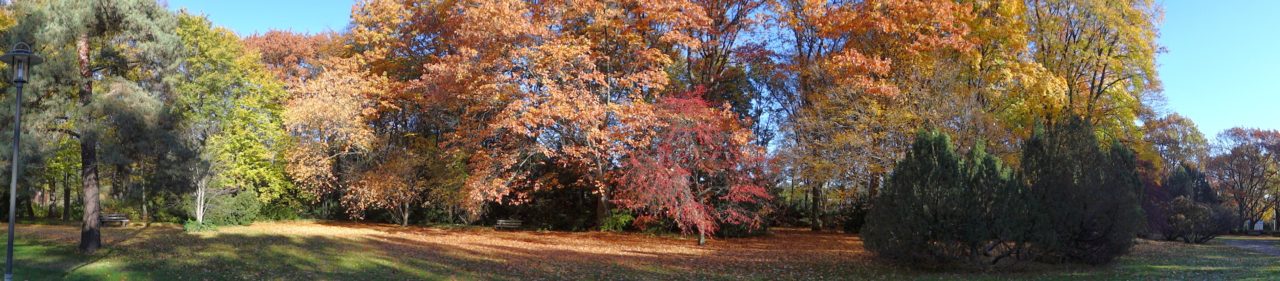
x: 700, y: 168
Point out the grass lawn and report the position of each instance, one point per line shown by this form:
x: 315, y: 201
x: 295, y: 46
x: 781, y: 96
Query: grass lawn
x: 349, y: 251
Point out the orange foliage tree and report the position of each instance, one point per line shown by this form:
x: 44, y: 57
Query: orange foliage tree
x: 517, y: 88
x: 847, y: 79
x: 294, y: 57
x: 326, y: 117
x: 700, y: 168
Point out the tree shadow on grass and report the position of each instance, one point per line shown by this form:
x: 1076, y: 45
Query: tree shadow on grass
x: 181, y: 256
x: 513, y: 262
x: 301, y: 251
x: 168, y: 253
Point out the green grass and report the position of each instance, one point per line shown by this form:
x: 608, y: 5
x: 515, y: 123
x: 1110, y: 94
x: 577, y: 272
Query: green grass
x: 276, y: 253
x: 1173, y: 261
x: 169, y: 254
x: 1148, y: 261
x: 1272, y: 239
x: 1152, y: 261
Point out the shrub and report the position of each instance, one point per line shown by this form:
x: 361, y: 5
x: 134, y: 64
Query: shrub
x: 1074, y: 201
x: 1193, y: 222
x: 618, y: 221
x: 655, y: 224
x: 937, y: 209
x: 168, y: 207
x: 1089, y: 196
x: 1195, y: 213
x: 285, y: 207
x: 193, y: 226
x: 854, y: 217
x: 240, y: 208
x: 280, y: 211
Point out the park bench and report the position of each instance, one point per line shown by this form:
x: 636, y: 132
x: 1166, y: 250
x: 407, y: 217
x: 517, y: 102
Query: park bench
x: 120, y: 219
x: 508, y: 224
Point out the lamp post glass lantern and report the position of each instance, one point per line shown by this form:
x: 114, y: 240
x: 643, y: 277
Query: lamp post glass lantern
x: 20, y: 59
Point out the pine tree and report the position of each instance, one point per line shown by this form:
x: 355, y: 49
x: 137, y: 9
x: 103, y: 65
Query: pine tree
x: 1088, y: 194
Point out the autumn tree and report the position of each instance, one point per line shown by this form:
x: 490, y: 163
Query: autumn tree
x: 700, y: 169
x: 1177, y: 140
x: 722, y: 64
x: 518, y: 86
x: 400, y: 177
x: 1105, y: 53
x: 840, y: 93
x: 295, y: 58
x: 589, y: 88
x: 1245, y: 171
x: 389, y: 186
x: 325, y: 116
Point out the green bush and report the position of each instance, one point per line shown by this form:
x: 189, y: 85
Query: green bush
x: 937, y: 209
x: 617, y: 221
x: 280, y: 209
x: 1089, y: 196
x: 1193, y: 222
x: 1196, y: 213
x: 854, y: 217
x: 193, y: 226
x: 240, y: 208
x: 168, y: 207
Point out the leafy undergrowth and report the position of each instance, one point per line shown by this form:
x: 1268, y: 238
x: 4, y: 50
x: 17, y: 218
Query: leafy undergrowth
x: 349, y: 251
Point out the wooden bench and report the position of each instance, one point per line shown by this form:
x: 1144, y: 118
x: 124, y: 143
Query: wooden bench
x: 119, y: 219
x: 508, y: 224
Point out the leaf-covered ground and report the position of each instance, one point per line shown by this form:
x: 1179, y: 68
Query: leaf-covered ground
x: 349, y: 251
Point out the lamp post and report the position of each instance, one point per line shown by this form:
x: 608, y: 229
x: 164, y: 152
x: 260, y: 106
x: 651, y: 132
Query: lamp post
x: 20, y: 59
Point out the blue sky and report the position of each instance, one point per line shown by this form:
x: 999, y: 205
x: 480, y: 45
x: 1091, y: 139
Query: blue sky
x: 257, y: 16
x: 1222, y: 68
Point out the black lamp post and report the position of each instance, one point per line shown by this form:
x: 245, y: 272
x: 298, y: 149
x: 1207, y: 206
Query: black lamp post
x: 20, y: 59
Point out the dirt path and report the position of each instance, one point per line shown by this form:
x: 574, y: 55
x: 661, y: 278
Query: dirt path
x: 1265, y: 245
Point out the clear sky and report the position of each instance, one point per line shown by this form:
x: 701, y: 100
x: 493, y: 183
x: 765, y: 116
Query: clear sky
x: 1222, y: 68
x: 247, y: 17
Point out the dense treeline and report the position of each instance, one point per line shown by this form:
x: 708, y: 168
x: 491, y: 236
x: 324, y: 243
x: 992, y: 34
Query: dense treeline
x: 709, y: 117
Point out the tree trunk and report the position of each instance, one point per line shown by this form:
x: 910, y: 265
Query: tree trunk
x: 702, y: 237
x: 404, y: 221
x: 31, y: 206
x: 815, y: 208
x: 602, y: 209
x: 874, y: 189
x: 145, y: 216
x: 1240, y: 212
x: 50, y: 197
x: 200, y: 201
x: 120, y: 182
x: 66, y: 196
x: 90, y: 235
